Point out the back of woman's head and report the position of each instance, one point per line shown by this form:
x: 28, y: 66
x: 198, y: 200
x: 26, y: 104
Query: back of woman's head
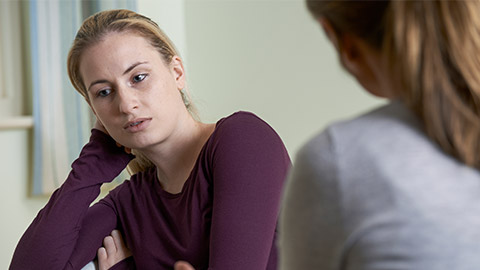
x: 433, y: 49
x: 95, y: 28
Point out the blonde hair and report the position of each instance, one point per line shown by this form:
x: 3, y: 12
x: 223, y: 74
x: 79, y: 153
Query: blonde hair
x: 433, y: 48
x: 95, y: 28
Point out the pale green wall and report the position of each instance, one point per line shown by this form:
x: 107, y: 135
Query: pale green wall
x: 16, y: 208
x: 170, y: 16
x: 271, y: 58
x: 264, y: 56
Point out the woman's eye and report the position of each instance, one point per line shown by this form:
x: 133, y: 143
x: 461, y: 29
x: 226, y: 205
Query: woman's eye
x: 139, y: 78
x: 104, y: 92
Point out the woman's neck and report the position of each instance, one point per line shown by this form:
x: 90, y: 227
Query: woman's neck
x: 176, y: 156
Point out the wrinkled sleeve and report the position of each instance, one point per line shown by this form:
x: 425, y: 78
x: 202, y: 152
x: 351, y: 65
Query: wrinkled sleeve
x: 50, y: 240
x: 250, y: 164
x: 310, y: 226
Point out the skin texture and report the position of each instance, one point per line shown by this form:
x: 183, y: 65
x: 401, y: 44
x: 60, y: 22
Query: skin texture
x: 128, y: 83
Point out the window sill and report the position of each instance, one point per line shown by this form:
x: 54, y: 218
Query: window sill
x: 16, y: 122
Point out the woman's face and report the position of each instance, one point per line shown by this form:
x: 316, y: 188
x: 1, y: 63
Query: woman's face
x: 133, y: 93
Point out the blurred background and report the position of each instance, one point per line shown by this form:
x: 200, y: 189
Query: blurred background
x: 265, y: 56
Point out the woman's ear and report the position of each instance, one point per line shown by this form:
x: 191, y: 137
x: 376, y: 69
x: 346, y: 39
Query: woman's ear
x: 360, y: 60
x: 178, y: 71
x: 351, y: 55
x: 356, y: 56
x: 345, y: 44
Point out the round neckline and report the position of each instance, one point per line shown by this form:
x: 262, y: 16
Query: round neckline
x: 189, y: 180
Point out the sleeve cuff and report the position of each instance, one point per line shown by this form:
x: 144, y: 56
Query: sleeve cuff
x: 125, y: 264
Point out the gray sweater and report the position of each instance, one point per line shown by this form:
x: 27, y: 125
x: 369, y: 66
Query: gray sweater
x: 376, y: 193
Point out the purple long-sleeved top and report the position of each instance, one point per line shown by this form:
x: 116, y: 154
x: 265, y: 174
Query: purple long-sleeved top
x: 224, y: 218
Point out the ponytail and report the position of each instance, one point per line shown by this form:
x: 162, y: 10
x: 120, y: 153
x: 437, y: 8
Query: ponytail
x: 434, y: 51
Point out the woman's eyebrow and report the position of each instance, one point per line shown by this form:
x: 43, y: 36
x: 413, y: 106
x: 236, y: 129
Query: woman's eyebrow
x: 96, y: 82
x: 133, y: 66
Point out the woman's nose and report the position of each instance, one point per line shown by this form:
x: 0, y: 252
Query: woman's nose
x: 127, y: 100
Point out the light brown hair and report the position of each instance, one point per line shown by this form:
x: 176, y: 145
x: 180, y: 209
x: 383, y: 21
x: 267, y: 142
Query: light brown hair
x: 433, y: 49
x: 95, y: 28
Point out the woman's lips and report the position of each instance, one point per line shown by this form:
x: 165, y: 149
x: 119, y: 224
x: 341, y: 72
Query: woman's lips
x: 137, y: 124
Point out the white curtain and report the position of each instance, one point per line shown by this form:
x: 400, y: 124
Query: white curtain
x: 62, y: 119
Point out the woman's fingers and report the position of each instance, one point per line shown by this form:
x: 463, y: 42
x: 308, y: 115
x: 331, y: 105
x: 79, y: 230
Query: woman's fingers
x: 113, y: 251
x: 182, y: 265
x: 102, y: 254
x: 110, y: 246
x: 98, y: 125
x: 120, y: 244
x: 127, y: 150
x: 103, y: 259
x: 117, y: 238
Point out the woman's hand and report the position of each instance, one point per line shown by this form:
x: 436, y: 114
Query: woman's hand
x: 182, y: 265
x: 98, y: 125
x: 113, y: 251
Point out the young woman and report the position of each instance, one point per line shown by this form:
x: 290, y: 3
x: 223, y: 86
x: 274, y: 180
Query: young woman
x: 398, y: 187
x: 207, y: 194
